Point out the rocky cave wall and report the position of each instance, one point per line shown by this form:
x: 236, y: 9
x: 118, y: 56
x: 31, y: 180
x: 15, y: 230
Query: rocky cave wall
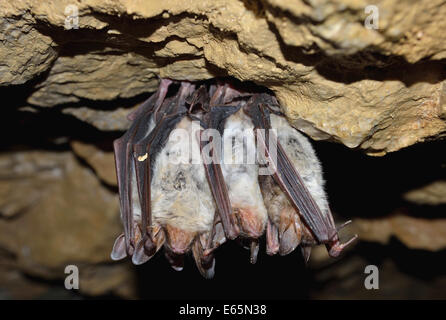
x: 70, y: 82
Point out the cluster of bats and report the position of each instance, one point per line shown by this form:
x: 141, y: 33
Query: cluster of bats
x: 183, y: 206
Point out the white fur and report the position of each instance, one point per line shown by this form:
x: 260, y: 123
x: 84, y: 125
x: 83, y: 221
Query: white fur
x: 180, y: 192
x: 240, y: 177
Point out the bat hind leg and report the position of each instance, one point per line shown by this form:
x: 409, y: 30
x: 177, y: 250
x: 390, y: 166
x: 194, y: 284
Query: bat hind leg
x: 335, y: 247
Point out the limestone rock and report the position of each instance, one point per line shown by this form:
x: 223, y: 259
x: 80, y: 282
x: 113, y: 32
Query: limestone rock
x: 377, y: 89
x: 24, y: 51
x: 431, y: 194
x: 415, y: 233
x: 72, y: 207
x: 101, y: 161
x: 69, y: 219
x: 380, y: 89
x: 106, y: 120
x: 95, y: 76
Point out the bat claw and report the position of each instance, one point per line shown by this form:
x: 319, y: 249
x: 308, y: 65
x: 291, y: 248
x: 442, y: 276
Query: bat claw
x: 342, y: 226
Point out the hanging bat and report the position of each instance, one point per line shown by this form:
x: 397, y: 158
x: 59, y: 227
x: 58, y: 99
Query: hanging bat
x: 134, y: 154
x: 215, y: 119
x: 186, y: 207
x: 320, y: 223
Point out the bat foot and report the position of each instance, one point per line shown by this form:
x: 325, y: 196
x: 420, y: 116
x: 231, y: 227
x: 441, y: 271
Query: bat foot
x: 335, y: 247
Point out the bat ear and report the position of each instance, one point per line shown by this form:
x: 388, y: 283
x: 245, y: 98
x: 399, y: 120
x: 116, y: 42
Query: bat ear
x: 119, y: 250
x: 289, y: 239
x: 254, y: 251
x: 306, y: 252
x: 209, y: 272
x: 205, y: 263
x: 140, y: 256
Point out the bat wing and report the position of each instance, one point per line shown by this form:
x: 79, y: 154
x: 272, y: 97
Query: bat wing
x: 215, y: 119
x: 153, y: 102
x: 286, y: 175
x: 199, y: 97
x: 137, y: 138
x: 205, y: 262
x: 124, y: 170
x: 147, y: 144
x: 292, y: 184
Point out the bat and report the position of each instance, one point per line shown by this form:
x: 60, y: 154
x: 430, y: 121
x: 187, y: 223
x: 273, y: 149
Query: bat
x: 289, y: 180
x: 134, y: 153
x: 195, y: 208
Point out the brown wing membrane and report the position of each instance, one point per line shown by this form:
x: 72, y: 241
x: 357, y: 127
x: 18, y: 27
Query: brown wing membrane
x: 290, y: 181
x: 215, y: 120
x: 124, y: 244
x: 322, y: 226
x: 153, y: 102
x: 301, y: 222
x: 147, y: 145
x: 134, y: 154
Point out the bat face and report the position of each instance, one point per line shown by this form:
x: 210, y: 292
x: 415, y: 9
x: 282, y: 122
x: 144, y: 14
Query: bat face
x: 190, y: 178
